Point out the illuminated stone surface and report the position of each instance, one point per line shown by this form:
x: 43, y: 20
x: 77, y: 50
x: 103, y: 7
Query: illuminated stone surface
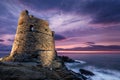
x: 33, y: 36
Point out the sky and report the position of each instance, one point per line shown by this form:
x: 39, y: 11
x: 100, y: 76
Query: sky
x: 78, y: 24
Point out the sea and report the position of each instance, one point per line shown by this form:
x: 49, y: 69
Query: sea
x: 104, y: 64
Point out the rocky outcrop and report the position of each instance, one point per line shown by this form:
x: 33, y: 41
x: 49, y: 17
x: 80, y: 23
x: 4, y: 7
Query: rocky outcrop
x: 34, y: 71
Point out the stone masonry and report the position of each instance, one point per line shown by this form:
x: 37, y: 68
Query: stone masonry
x: 33, y: 39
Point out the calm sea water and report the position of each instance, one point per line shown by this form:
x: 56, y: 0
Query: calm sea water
x: 103, y: 59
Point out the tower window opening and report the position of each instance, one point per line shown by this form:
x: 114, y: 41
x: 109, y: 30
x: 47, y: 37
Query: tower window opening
x: 31, y: 28
x: 46, y: 30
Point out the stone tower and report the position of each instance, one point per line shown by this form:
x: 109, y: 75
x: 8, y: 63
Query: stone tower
x: 33, y: 39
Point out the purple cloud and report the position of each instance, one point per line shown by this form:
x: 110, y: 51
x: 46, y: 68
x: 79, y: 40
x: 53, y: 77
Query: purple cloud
x: 11, y: 40
x: 59, y: 37
x: 90, y: 43
x: 1, y: 40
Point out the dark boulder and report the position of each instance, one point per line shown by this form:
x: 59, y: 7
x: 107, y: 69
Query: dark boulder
x: 86, y: 72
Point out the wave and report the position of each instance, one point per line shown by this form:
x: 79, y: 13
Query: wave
x: 100, y: 73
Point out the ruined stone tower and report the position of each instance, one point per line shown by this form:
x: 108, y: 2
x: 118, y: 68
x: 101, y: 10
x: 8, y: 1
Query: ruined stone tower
x: 33, y: 39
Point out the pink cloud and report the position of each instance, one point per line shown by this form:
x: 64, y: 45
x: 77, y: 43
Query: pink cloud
x: 6, y: 38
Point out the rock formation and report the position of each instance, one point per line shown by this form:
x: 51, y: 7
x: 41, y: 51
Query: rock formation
x: 33, y: 40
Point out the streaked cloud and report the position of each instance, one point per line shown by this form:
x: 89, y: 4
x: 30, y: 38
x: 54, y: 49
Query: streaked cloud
x: 59, y: 37
x: 77, y: 23
x: 1, y: 40
x: 7, y: 38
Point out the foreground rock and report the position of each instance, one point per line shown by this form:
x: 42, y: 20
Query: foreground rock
x: 34, y: 71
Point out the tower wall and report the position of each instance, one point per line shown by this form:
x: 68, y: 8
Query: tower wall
x: 34, y: 36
